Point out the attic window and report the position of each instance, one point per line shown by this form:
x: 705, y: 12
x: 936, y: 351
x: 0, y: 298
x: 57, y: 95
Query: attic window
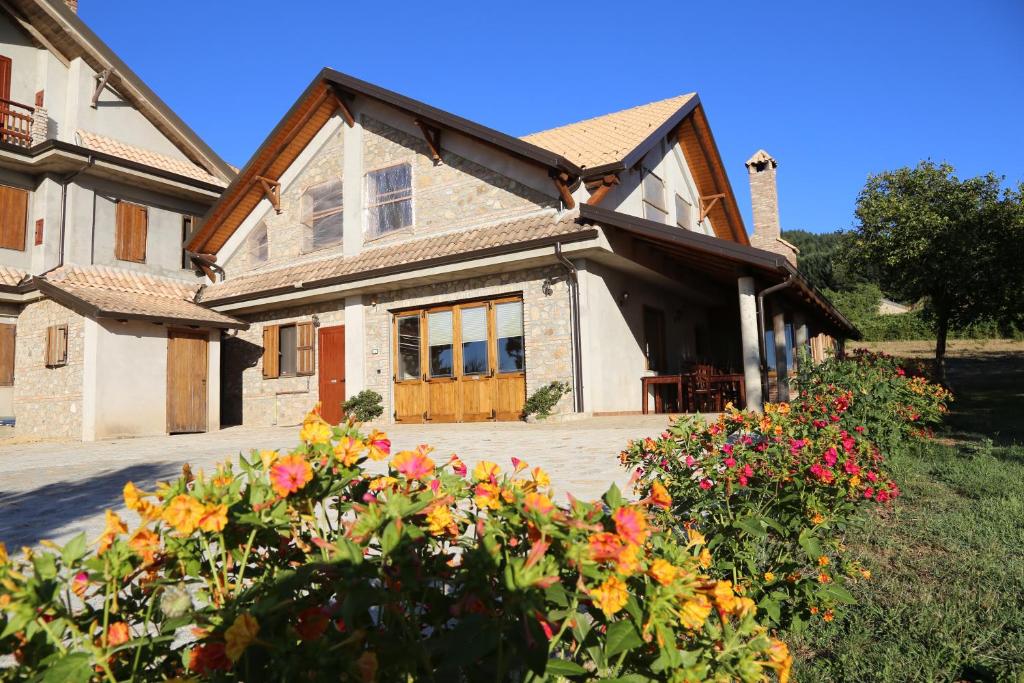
x: 655, y: 208
x: 258, y: 244
x: 389, y: 199
x: 684, y: 213
x: 322, y: 215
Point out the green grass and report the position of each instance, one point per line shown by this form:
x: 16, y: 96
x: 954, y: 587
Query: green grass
x: 946, y: 599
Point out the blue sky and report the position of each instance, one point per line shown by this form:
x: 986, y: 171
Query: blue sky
x: 833, y: 90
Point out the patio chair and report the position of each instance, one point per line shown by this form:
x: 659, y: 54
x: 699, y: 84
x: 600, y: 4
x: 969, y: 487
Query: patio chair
x: 707, y: 396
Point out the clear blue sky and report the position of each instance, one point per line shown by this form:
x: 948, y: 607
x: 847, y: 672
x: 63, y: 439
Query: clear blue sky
x: 834, y: 90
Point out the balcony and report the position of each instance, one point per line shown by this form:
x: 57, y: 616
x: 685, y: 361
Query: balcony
x: 21, y: 124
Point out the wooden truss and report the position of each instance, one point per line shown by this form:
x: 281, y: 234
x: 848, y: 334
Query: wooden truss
x: 272, y: 191
x: 600, y: 188
x: 707, y: 203
x: 433, y: 137
x: 561, y: 181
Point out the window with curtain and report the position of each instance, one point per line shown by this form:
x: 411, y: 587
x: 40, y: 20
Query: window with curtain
x: 509, y: 333
x: 439, y: 338
x: 684, y: 213
x: 322, y: 211
x: 409, y: 347
x: 655, y: 208
x: 287, y: 345
x: 388, y: 199
x: 259, y: 247
x: 474, y: 341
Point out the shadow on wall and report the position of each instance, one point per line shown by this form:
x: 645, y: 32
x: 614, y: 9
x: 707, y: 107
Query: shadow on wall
x: 237, y: 356
x: 27, y: 517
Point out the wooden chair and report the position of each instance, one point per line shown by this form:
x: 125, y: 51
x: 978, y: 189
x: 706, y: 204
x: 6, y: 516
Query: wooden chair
x: 706, y: 395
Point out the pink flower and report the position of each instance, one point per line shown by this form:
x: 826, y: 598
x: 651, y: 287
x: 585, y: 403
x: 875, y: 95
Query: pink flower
x: 458, y: 466
x: 690, y: 461
x: 730, y: 462
x: 290, y: 474
x: 900, y: 372
x: 414, y: 464
x: 727, y: 448
x: 706, y: 484
x: 748, y: 471
x: 872, y: 477
x: 868, y: 492
x: 850, y: 467
x: 831, y: 456
x: 743, y: 480
x: 858, y: 429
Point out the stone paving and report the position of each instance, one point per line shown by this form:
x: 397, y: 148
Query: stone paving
x: 55, y: 490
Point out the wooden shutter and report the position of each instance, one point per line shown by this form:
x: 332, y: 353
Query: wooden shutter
x: 56, y: 346
x: 7, y: 334
x: 130, y: 232
x: 13, y: 217
x: 304, y: 359
x: 271, y: 354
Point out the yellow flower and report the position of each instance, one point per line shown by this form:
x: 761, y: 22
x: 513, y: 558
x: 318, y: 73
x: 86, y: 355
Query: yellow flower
x: 315, y: 430
x: 823, y: 561
x: 541, y: 478
x: 694, y: 612
x: 704, y: 559
x: 724, y: 596
x: 145, y: 543
x: 663, y: 572
x: 487, y: 495
x: 114, y: 527
x: 132, y: 496
x: 817, y: 518
x: 382, y: 483
x: 486, y: 471
x: 610, y: 596
x: 183, y: 513
x: 214, y: 518
x: 268, y: 458
x: 780, y: 659
x: 628, y: 561
x: 439, y: 519
x: 866, y: 573
x: 3, y: 554
x: 744, y: 606
x: 696, y: 537
x: 348, y: 450
x: 769, y: 577
x: 538, y: 502
x: 240, y: 635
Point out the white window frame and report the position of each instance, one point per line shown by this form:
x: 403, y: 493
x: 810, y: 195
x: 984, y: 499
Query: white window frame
x: 689, y: 223
x: 367, y: 208
x: 662, y: 210
x: 308, y: 219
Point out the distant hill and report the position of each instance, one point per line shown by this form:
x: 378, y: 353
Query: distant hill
x: 818, y: 259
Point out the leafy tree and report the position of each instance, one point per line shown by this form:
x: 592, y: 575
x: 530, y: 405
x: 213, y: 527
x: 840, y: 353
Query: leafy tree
x: 819, y: 260
x: 956, y: 243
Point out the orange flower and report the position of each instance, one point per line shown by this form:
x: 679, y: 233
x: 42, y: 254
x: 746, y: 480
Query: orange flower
x: 117, y: 634
x: 724, y: 596
x: 114, y: 527
x: 610, y: 596
x: 487, y: 495
x: 829, y: 615
x: 183, y: 513
x: 628, y: 561
x: 380, y: 445
x: 348, y: 450
x: 695, y: 612
x: 145, y: 543
x: 240, y: 635
x: 604, y: 546
x: 781, y: 660
x: 744, y: 606
x: 382, y: 483
x: 824, y: 578
x: 704, y: 559
x: 631, y: 525
x: 538, y: 502
x: 214, y: 519
x: 486, y: 471
x: 289, y: 474
x: 769, y: 577
x: 823, y: 561
x: 541, y: 478
x: 315, y: 429
x: 663, y: 572
x: 695, y: 537
x: 439, y: 520
x: 414, y: 464
x: 659, y: 496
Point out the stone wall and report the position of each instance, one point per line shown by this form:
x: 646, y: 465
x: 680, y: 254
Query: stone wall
x: 48, y: 401
x: 250, y: 399
x: 546, y: 325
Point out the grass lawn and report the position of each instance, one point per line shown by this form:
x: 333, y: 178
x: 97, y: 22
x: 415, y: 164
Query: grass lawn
x: 946, y: 599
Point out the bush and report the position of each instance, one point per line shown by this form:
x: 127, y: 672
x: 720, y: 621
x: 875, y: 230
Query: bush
x: 365, y: 406
x: 542, y: 401
x: 305, y: 566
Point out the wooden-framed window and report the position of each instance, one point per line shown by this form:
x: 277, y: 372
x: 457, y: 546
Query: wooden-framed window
x: 409, y: 334
x: 189, y: 225
x: 13, y: 217
x: 7, y: 340
x: 388, y: 199
x: 684, y: 213
x: 508, y: 330
x: 259, y: 245
x: 322, y: 209
x: 56, y: 353
x: 654, y: 338
x: 288, y: 350
x: 655, y: 208
x: 132, y: 225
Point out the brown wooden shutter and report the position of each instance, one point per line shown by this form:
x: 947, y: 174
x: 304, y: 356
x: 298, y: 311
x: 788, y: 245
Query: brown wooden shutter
x: 271, y: 354
x: 130, y: 232
x: 13, y: 217
x: 304, y: 359
x: 56, y: 346
x: 7, y: 338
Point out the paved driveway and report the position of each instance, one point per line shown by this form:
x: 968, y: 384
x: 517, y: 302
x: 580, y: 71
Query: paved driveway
x: 53, y: 491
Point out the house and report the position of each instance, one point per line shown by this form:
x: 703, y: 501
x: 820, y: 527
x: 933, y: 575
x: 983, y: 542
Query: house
x: 100, y: 186
x: 376, y: 242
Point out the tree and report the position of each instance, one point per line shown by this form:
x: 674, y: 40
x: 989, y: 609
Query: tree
x: 956, y: 243
x: 818, y: 262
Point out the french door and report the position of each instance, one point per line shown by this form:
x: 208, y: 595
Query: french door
x: 461, y: 362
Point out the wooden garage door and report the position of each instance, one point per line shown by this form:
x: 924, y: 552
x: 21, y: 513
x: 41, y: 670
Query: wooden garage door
x: 186, y: 381
x: 461, y: 362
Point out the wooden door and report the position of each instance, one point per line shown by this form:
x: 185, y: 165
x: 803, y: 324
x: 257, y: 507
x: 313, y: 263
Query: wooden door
x: 441, y: 370
x: 186, y: 381
x: 332, y: 373
x: 409, y: 378
x: 510, y: 359
x: 475, y: 362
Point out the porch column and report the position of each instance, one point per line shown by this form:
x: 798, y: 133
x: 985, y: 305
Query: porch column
x: 749, y: 343
x: 800, y: 335
x: 781, y: 368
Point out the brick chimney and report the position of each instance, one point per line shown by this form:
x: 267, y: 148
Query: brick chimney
x: 764, y: 199
x: 72, y: 5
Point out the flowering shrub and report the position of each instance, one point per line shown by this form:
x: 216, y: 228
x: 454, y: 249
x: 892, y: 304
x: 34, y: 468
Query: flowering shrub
x: 773, y: 493
x: 307, y: 566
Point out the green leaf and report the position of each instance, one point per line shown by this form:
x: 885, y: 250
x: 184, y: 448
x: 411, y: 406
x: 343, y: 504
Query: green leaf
x: 752, y: 525
x: 73, y: 550
x: 72, y: 668
x: 613, y: 497
x: 810, y: 544
x: 390, y: 538
x: 839, y: 594
x: 621, y: 636
x: 562, y: 667
x: 45, y: 565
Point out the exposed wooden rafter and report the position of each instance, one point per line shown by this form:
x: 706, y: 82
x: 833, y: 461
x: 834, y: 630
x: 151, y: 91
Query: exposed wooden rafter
x: 346, y: 113
x: 601, y: 188
x: 561, y: 181
x: 433, y: 137
x: 272, y: 191
x: 707, y: 203
x: 101, y: 83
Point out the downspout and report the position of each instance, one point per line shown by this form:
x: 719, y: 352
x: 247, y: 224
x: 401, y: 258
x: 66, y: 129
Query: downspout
x: 64, y: 181
x: 761, y: 330
x: 574, y: 313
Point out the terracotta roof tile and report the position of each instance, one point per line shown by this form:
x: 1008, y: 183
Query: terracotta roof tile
x: 115, y: 291
x: 609, y: 138
x: 11, y: 277
x: 538, y: 226
x: 101, y: 143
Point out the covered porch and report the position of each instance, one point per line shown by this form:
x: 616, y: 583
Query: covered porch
x: 711, y: 321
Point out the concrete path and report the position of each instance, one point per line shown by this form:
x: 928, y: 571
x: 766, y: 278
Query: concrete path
x: 55, y: 490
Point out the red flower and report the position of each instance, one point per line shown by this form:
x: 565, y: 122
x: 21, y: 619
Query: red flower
x: 209, y: 657
x: 312, y: 623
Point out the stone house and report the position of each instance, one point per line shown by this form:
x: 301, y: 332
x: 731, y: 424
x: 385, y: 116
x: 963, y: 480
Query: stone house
x: 100, y: 186
x: 376, y: 242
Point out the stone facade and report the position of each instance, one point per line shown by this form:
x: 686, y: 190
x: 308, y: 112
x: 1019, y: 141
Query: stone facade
x: 48, y: 401
x: 250, y: 399
x: 546, y: 325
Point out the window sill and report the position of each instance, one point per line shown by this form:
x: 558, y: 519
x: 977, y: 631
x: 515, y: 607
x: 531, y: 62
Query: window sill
x: 406, y: 231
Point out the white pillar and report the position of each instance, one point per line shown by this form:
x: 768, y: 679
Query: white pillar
x: 781, y: 367
x: 749, y: 343
x: 355, y: 351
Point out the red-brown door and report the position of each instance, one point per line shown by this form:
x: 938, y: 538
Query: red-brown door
x: 332, y: 373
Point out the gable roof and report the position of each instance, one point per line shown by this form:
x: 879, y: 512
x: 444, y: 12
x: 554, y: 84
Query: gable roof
x: 612, y: 138
x: 105, y: 145
x: 105, y: 292
x: 330, y: 91
x: 57, y: 28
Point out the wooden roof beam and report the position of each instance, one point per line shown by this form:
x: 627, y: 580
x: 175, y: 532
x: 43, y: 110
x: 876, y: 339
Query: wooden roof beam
x: 272, y: 191
x: 706, y: 206
x: 433, y: 137
x: 561, y: 181
x: 605, y: 186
